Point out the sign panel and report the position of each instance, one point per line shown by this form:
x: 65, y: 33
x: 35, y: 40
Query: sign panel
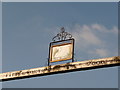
x: 61, y: 52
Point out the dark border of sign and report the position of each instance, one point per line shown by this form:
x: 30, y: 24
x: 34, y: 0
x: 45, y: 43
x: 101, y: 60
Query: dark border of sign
x: 50, y: 45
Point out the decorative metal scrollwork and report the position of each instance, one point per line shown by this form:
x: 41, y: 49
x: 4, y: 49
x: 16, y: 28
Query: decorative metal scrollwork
x: 62, y: 35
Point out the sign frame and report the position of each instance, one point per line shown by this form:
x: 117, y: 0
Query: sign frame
x: 62, y: 41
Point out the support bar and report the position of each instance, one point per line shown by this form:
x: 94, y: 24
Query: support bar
x: 62, y: 68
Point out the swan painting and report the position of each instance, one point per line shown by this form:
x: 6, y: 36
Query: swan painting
x: 62, y: 52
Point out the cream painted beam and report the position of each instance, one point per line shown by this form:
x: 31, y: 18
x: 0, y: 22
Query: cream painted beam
x: 67, y: 67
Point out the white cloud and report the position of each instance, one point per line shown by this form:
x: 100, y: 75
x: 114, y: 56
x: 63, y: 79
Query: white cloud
x: 89, y: 34
x: 89, y: 39
x: 93, y: 41
x: 86, y: 36
x: 114, y: 30
x: 100, y: 52
x: 103, y: 29
x: 98, y: 27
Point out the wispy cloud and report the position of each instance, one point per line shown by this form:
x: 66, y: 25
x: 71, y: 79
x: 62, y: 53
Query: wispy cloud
x: 90, y: 40
x: 84, y: 34
x: 100, y: 52
x: 103, y: 29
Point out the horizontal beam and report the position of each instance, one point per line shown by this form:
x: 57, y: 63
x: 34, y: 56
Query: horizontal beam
x: 61, y: 68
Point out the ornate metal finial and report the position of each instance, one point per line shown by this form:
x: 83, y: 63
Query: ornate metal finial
x: 62, y: 35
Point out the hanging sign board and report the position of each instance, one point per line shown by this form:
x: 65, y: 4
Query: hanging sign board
x: 61, y: 52
x: 62, y: 47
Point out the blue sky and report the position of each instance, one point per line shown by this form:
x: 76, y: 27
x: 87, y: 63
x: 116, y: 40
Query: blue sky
x: 28, y: 28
